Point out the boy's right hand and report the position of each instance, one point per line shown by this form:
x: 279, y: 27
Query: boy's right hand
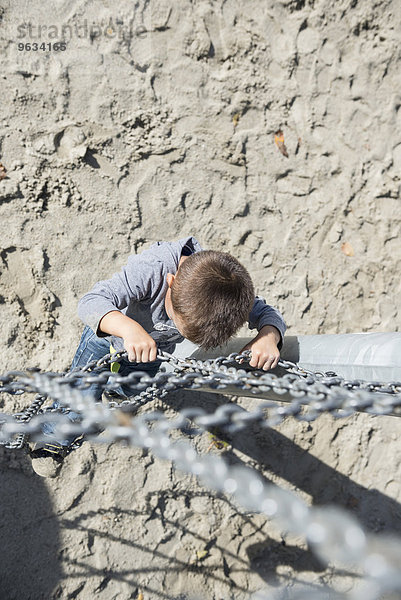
x: 141, y: 347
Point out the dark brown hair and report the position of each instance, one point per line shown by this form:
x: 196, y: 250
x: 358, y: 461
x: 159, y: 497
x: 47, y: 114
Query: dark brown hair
x: 213, y: 294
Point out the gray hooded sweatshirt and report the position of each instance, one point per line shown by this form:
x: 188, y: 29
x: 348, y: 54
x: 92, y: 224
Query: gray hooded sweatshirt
x: 139, y: 290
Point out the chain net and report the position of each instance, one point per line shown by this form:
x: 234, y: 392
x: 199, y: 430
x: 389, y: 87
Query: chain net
x: 333, y: 534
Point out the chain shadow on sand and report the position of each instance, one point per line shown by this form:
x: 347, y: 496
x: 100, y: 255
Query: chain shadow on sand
x: 231, y: 564
x: 273, y: 453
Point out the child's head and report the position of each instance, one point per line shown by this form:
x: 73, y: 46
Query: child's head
x: 212, y: 295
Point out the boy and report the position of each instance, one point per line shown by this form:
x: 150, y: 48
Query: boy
x: 175, y: 287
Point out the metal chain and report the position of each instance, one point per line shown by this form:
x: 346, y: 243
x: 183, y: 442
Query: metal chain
x: 33, y: 409
x: 333, y: 534
x: 321, y: 392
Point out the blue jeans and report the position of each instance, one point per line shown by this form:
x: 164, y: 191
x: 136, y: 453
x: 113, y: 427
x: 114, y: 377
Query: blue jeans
x: 91, y: 348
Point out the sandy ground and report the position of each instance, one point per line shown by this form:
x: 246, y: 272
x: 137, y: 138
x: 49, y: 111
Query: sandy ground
x: 163, y: 126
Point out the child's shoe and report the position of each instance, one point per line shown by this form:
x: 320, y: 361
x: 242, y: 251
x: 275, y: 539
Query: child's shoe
x: 47, y: 458
x: 112, y: 396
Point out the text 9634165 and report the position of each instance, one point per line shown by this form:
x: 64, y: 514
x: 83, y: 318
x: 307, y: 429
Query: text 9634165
x: 44, y: 46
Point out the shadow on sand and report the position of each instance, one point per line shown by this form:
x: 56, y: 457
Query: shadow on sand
x: 29, y: 532
x: 279, y: 455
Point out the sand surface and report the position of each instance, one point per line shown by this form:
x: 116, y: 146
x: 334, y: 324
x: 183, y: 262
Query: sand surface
x: 157, y: 122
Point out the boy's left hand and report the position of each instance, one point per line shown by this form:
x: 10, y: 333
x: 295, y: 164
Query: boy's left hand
x: 265, y: 354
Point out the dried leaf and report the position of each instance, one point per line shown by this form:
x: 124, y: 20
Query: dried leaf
x: 347, y: 249
x: 279, y: 141
x: 217, y: 443
x: 236, y: 119
x: 3, y: 172
x: 140, y: 596
x: 220, y: 444
x: 201, y: 554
